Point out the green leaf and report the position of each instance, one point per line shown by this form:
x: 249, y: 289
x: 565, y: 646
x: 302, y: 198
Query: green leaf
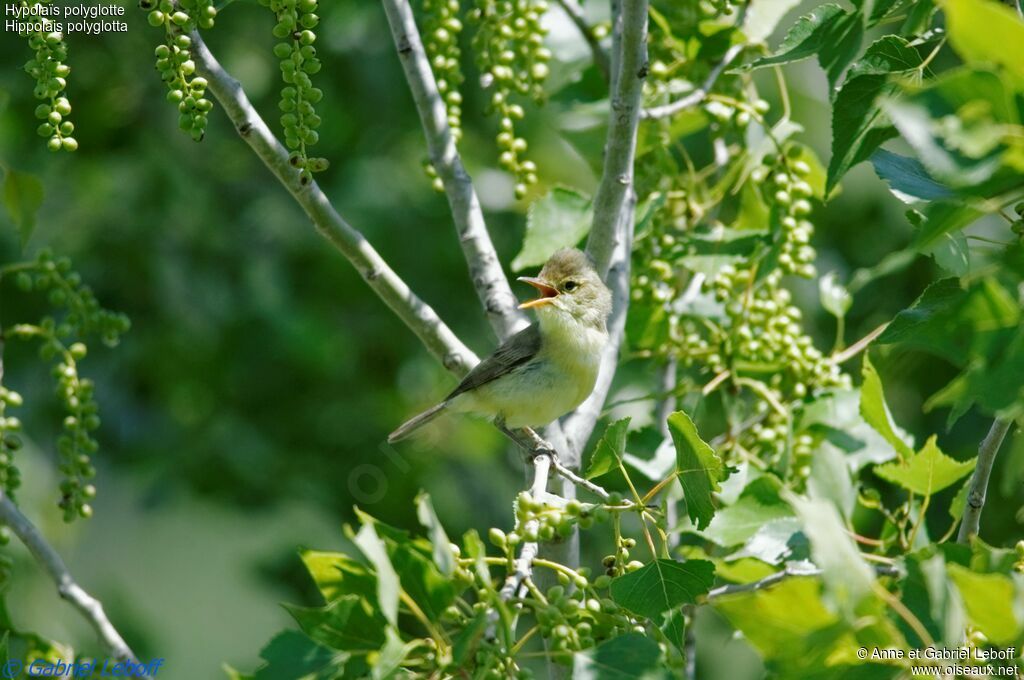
x: 908, y: 180
x: 735, y: 523
x: 927, y: 472
x: 336, y: 574
x: 559, y: 219
x: 344, y: 624
x: 609, y: 449
x: 956, y: 125
x: 661, y: 585
x: 847, y: 576
x: 828, y: 31
x: 627, y: 657
x: 421, y: 580
x: 830, y: 479
x: 466, y: 643
x: 955, y: 323
x: 444, y: 558
x: 986, y: 31
x: 698, y: 467
x: 835, y: 299
x: 293, y: 656
x: 774, y: 542
x: 959, y: 502
x: 941, y: 218
x: 992, y: 602
x: 787, y: 623
x: 859, y: 125
x: 876, y: 412
x: 763, y: 16
x: 23, y: 194
x: 387, y: 580
x: 929, y: 595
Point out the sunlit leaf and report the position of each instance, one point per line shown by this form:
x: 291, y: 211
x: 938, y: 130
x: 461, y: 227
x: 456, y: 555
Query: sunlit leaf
x: 987, y: 32
x: 926, y: 472
x: 859, y: 126
x: 699, y: 468
x: 992, y: 602
x: 609, y: 449
x: 627, y: 657
x: 661, y: 585
x: 443, y: 556
x: 23, y: 195
x: 876, y: 412
x: 559, y: 219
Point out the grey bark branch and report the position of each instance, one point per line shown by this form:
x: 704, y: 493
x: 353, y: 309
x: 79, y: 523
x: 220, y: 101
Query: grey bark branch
x: 979, y: 480
x: 698, y: 95
x: 489, y: 279
x: 576, y: 14
x: 414, y: 312
x: 87, y: 605
x: 629, y: 73
x: 780, y: 576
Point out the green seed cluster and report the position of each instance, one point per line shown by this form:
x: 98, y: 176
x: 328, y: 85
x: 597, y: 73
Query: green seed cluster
x: 551, y: 521
x: 578, y: 620
x: 65, y: 290
x: 618, y: 563
x: 10, y: 442
x: 50, y: 72
x: 788, y: 193
x: 82, y: 316
x: 296, y: 20
x: 442, y: 28
x: 711, y: 9
x: 76, y: 444
x: 174, y: 58
x: 510, y: 53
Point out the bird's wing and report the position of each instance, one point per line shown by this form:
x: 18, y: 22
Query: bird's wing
x: 514, y: 352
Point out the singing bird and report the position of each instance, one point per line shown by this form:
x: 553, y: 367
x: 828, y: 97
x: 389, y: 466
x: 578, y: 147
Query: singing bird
x: 547, y: 369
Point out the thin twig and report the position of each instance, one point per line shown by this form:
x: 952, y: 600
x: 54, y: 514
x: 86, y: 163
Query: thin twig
x: 524, y: 563
x: 697, y: 96
x: 51, y: 562
x: 485, y: 270
x: 578, y: 17
x: 979, y: 480
x: 414, y: 312
x: 779, y: 576
x: 859, y: 346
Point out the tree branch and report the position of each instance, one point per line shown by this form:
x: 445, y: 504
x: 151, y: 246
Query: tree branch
x: 779, y: 576
x: 629, y: 72
x: 698, y: 95
x: 88, y: 606
x: 578, y: 17
x: 485, y: 270
x: 414, y: 312
x: 979, y: 480
x: 524, y: 563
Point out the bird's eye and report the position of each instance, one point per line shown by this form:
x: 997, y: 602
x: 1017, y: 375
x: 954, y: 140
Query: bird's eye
x: 570, y: 286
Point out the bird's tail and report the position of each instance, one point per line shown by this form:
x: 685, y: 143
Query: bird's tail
x: 417, y: 421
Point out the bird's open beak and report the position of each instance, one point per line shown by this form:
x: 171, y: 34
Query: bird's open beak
x: 547, y: 292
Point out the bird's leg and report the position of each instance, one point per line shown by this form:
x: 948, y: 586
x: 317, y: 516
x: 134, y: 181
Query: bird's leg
x: 527, y: 439
x: 539, y: 444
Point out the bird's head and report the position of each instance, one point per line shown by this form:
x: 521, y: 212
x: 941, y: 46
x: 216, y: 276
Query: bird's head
x: 569, y: 284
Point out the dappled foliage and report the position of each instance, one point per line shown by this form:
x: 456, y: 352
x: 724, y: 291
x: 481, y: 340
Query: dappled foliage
x: 760, y: 463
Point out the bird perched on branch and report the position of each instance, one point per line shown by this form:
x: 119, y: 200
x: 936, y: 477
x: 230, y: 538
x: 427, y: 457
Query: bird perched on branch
x: 547, y: 369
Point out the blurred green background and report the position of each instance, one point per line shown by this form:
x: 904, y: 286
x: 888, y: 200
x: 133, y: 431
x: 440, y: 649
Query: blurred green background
x: 246, y: 411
